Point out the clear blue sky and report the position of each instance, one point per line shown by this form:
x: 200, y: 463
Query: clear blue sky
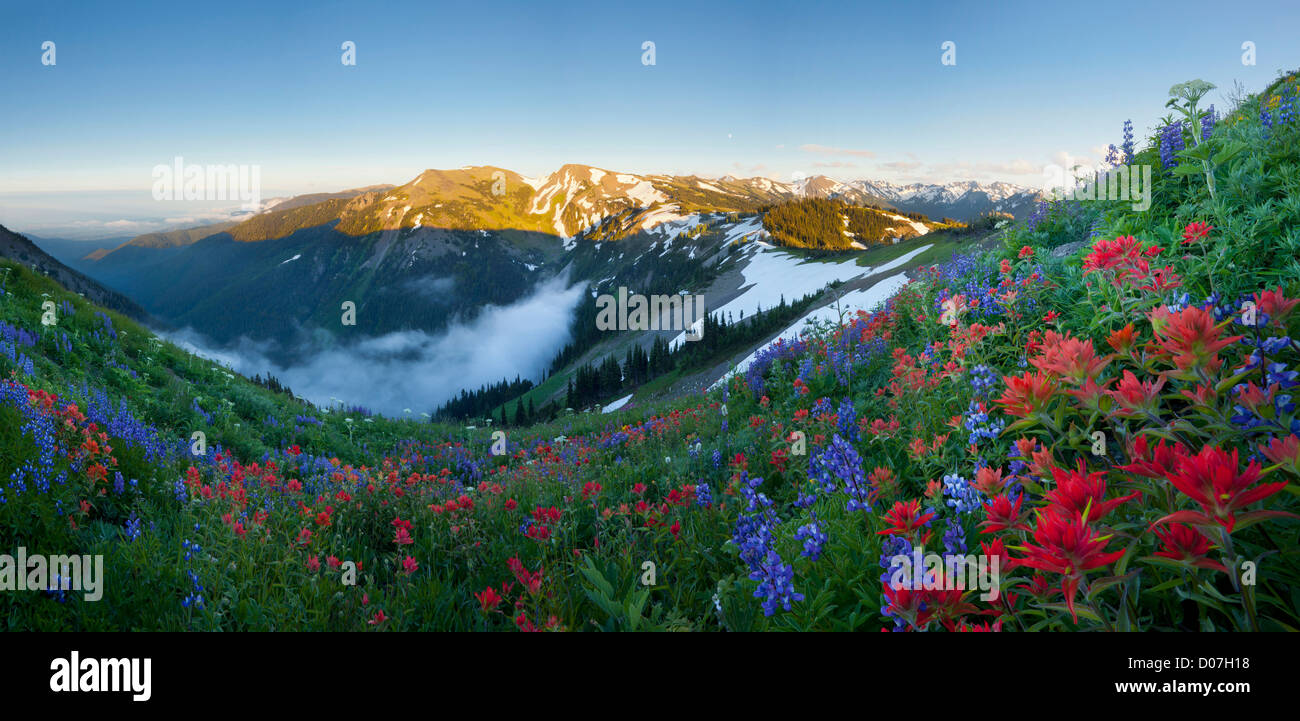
x: 745, y: 88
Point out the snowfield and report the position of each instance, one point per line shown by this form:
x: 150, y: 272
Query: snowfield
x: 617, y: 404
x: 667, y: 220
x: 772, y: 273
x: 642, y: 192
x: 744, y: 228
x: 864, y: 299
x: 918, y: 227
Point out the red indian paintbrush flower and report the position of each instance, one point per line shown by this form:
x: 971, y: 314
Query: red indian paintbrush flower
x: 881, y: 482
x: 996, y: 549
x: 1134, y: 397
x: 1284, y: 451
x: 1275, y: 305
x: 1078, y: 492
x: 1026, y: 394
x: 1090, y: 395
x: 905, y: 518
x: 1195, y: 232
x: 1070, y: 358
x: 1253, y: 398
x: 1212, y: 478
x: 1001, y: 513
x: 938, y: 599
x: 1110, y: 254
x: 1123, y: 339
x: 1068, y: 546
x: 1189, y: 339
x: 966, y: 627
x: 488, y: 599
x: 988, y: 480
x: 1154, y: 462
x: 532, y: 581
x: 918, y: 607
x: 1126, y: 259
x: 1186, y: 545
x: 1161, y: 280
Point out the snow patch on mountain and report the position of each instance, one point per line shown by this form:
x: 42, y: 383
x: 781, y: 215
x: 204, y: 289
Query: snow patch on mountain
x: 669, y: 221
x: 867, y: 299
x: 617, y: 404
x: 770, y: 274
x: 749, y: 226
x: 643, y: 193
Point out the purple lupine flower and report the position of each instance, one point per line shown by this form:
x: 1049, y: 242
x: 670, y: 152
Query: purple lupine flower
x: 703, y: 495
x: 1039, y: 214
x: 1171, y: 141
x: 983, y: 379
x: 814, y: 538
x: 846, y: 421
x: 1207, y: 123
x: 776, y: 583
x: 1286, y: 110
x: 962, y: 497
x: 954, y: 539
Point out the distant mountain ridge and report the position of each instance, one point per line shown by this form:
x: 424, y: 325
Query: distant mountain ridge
x: 578, y: 198
x: 449, y: 243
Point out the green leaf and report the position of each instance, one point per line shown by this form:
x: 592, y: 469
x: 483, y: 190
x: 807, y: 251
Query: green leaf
x: 1083, y: 611
x: 1101, y: 584
x: 1229, y: 152
x: 634, y: 606
x: 594, y: 576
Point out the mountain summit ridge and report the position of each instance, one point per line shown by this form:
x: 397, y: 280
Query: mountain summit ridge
x: 576, y: 198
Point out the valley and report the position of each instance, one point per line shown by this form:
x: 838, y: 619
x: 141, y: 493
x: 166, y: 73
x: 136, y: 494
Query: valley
x: 449, y: 248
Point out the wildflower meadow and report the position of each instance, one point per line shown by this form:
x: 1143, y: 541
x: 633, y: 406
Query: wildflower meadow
x: 1090, y: 427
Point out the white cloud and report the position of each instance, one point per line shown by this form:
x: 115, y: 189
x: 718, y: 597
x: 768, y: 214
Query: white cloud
x: 413, y: 369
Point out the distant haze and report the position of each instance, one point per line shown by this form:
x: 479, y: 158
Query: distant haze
x: 93, y: 215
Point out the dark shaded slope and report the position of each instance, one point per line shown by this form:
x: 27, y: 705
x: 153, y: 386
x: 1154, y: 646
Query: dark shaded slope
x: 19, y: 248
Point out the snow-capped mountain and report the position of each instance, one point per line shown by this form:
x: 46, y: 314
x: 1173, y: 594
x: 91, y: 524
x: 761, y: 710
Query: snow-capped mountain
x: 450, y: 242
x: 962, y: 200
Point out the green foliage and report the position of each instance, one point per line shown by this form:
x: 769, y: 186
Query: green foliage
x: 832, y: 224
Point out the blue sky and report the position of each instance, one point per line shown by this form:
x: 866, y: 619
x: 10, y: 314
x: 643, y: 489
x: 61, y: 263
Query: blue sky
x: 747, y: 88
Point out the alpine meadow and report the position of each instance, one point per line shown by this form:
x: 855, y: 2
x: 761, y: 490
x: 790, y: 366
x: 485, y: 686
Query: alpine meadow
x: 315, y: 384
